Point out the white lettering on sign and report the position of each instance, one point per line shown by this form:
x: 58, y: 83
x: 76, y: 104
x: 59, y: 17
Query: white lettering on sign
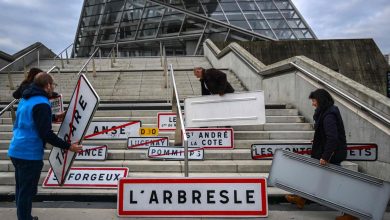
x: 57, y: 105
x: 89, y: 177
x: 146, y: 142
x: 190, y: 197
x: 218, y: 138
x: 175, y: 153
x: 166, y: 121
x: 355, y: 152
x: 92, y: 152
x: 112, y: 130
x: 81, y: 109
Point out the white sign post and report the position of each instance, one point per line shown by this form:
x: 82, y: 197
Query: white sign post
x: 192, y: 197
x: 228, y: 110
x: 214, y: 138
x: 174, y: 153
x: 81, y: 109
x: 113, y: 129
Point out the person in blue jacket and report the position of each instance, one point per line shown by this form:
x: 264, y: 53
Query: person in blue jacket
x: 329, y: 142
x: 32, y: 129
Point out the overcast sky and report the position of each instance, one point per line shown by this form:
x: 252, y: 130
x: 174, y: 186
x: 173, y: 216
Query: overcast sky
x: 54, y: 22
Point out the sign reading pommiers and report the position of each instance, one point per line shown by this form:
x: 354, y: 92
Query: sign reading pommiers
x: 355, y: 152
x: 166, y: 121
x: 81, y: 109
x: 175, y: 153
x: 146, y: 142
x: 216, y: 138
x: 112, y: 130
x: 89, y: 177
x: 193, y: 197
x: 92, y: 152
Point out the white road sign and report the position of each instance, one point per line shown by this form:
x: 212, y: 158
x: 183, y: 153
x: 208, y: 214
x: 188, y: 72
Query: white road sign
x: 192, y: 197
x: 146, y: 142
x: 230, y: 109
x: 89, y: 177
x: 215, y: 138
x: 81, y: 109
x: 355, y: 152
x: 175, y: 153
x: 113, y: 130
x: 57, y: 104
x: 92, y: 152
x: 166, y: 121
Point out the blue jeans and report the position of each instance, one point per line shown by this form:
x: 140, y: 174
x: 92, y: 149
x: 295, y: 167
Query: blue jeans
x: 27, y: 173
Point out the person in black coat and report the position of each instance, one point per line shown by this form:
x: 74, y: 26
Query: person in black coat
x: 17, y: 94
x: 213, y: 81
x: 329, y: 143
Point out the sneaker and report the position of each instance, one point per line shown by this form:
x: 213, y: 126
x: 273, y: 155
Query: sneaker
x: 294, y: 199
x: 346, y: 217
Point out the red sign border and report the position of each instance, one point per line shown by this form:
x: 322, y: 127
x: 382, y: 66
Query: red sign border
x: 213, y: 129
x: 263, y: 212
x: 45, y: 184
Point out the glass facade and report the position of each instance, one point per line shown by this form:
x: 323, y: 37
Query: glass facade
x: 139, y: 27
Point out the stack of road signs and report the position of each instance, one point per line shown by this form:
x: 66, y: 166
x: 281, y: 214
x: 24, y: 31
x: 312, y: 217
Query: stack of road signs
x: 330, y: 185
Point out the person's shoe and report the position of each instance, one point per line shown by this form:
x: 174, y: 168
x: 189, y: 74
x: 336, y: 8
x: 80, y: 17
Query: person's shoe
x: 299, y: 201
x: 346, y: 217
x: 35, y: 218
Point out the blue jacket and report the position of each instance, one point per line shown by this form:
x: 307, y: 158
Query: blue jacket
x: 32, y: 128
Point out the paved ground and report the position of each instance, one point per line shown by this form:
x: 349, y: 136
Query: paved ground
x: 96, y: 211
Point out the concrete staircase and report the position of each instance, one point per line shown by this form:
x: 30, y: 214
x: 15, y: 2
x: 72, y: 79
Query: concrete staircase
x: 133, y: 90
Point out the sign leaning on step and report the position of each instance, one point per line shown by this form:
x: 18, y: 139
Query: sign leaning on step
x: 246, y: 108
x: 166, y: 121
x: 146, y: 142
x: 355, y: 152
x: 348, y: 191
x: 192, y: 197
x: 81, y: 109
x: 92, y: 152
x: 89, y: 177
x: 174, y: 153
x: 214, y: 138
x: 57, y: 105
x: 104, y: 130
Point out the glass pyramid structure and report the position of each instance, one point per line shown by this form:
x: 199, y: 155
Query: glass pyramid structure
x: 140, y: 27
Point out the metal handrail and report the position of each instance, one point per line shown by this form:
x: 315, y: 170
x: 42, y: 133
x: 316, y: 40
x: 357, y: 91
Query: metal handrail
x: 182, y: 127
x: 344, y: 95
x: 53, y: 68
x: 10, y: 105
x: 21, y: 57
x: 59, y: 55
x: 89, y: 59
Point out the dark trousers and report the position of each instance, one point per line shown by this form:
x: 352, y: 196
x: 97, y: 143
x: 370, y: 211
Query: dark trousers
x: 27, y: 173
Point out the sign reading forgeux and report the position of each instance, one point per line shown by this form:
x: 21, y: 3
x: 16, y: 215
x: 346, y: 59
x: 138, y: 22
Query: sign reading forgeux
x: 216, y: 138
x: 92, y: 152
x: 57, y: 105
x: 355, y: 152
x: 112, y: 130
x: 166, y: 121
x: 193, y: 197
x: 81, y: 109
x: 175, y: 153
x: 89, y: 177
x: 146, y: 142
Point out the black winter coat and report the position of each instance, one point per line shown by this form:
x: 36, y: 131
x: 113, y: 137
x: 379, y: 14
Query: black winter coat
x: 216, y: 82
x: 329, y: 137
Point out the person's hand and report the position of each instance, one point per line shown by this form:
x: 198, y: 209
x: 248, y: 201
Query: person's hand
x: 323, y: 162
x: 76, y: 147
x: 60, y: 117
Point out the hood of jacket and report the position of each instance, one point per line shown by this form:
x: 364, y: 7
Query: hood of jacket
x: 34, y: 90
